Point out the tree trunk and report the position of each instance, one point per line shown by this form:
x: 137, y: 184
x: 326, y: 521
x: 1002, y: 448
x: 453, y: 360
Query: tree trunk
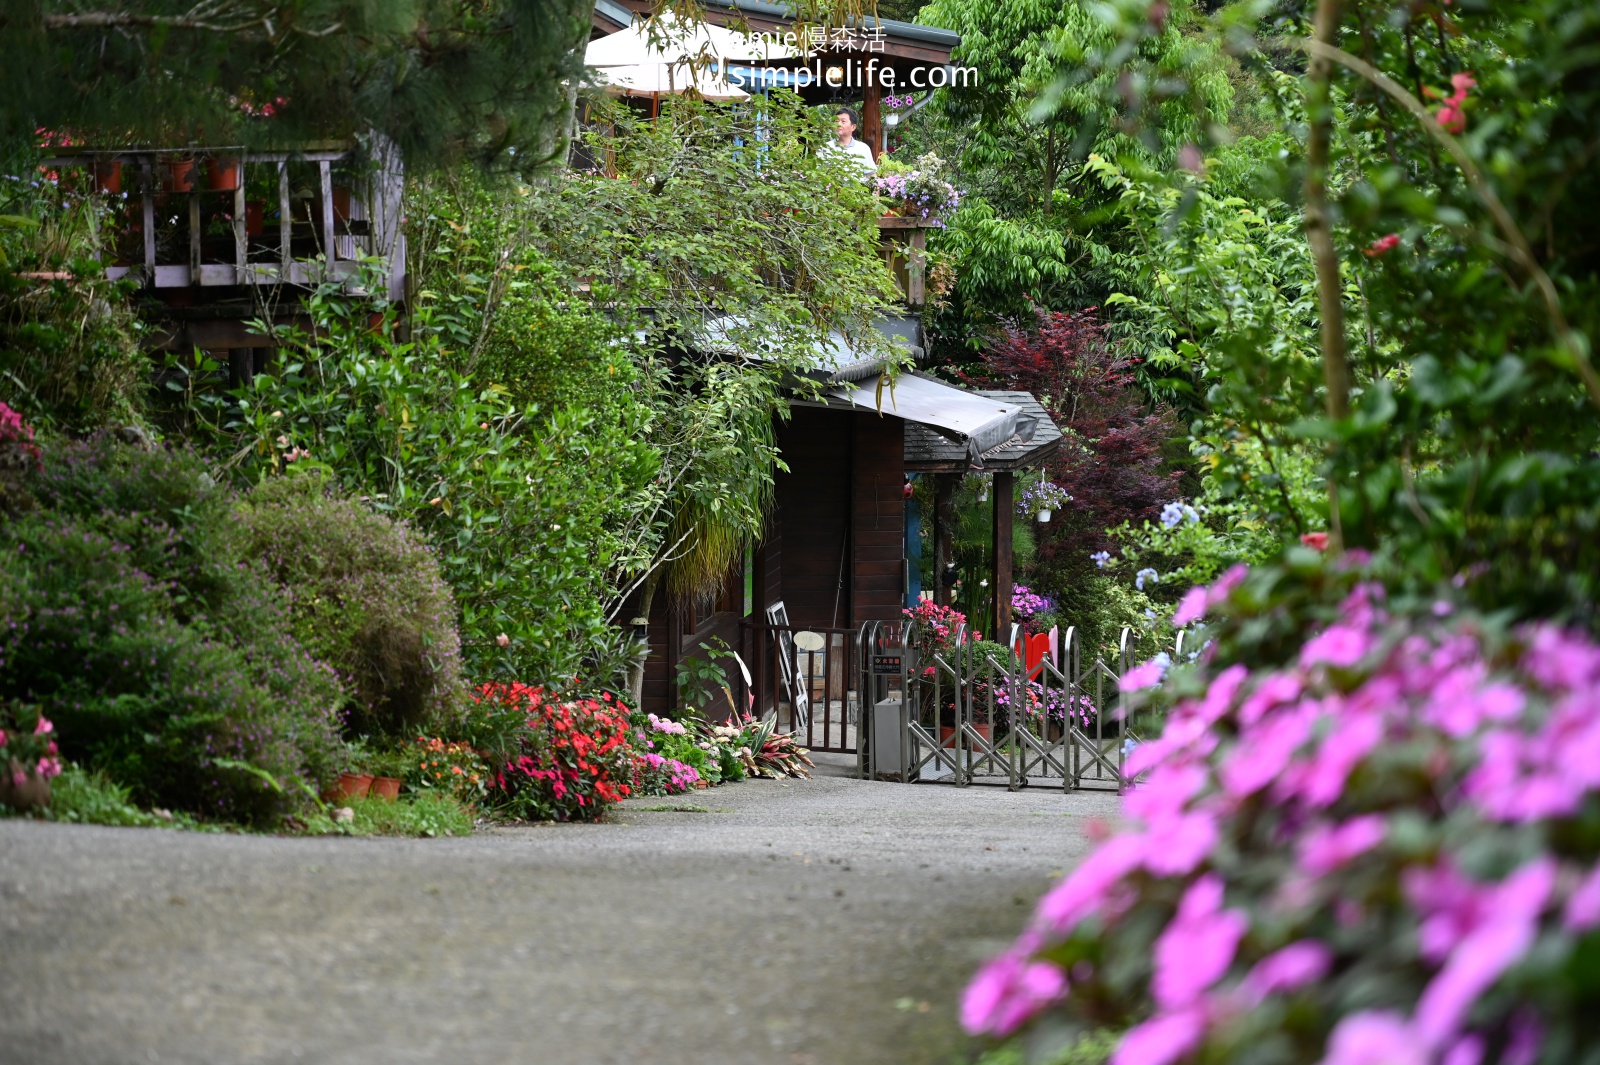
x: 1319, y: 234
x: 647, y: 597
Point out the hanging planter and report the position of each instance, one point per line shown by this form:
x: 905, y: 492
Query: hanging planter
x: 1042, y: 500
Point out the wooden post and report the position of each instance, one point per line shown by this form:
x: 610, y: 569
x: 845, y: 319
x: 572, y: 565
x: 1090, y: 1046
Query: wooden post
x: 147, y: 179
x: 194, y: 233
x: 871, y: 129
x: 326, y: 170
x: 285, y: 222
x: 917, y: 268
x: 241, y: 367
x: 944, y: 526
x: 240, y: 238
x: 1000, y: 579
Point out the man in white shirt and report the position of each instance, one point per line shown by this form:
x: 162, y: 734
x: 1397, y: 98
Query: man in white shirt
x: 845, y: 122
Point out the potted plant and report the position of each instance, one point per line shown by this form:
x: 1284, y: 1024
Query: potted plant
x: 388, y: 767
x: 1040, y: 501
x: 29, y: 758
x: 180, y: 174
x: 108, y: 175
x: 222, y: 173
x: 918, y: 191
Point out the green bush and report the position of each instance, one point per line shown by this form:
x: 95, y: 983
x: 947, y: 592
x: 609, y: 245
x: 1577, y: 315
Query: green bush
x: 366, y: 597
x: 163, y: 659
x: 430, y: 813
x: 89, y: 797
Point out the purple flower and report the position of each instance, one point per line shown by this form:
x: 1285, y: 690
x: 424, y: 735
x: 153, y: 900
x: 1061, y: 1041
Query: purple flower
x: 1147, y: 675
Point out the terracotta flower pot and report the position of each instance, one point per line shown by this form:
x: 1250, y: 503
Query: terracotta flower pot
x: 386, y: 788
x: 254, y: 218
x: 108, y: 175
x: 222, y: 173
x: 947, y: 734
x: 33, y: 791
x: 354, y: 785
x: 180, y: 175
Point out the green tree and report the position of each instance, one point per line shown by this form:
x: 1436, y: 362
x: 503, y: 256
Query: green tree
x: 443, y: 79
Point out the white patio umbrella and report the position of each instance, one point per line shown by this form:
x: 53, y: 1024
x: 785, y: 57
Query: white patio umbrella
x: 691, y: 57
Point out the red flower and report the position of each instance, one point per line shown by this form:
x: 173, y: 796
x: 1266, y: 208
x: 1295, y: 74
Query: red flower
x: 1318, y: 540
x: 1382, y: 246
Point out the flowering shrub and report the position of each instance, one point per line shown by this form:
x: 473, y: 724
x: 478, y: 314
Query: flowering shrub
x: 573, y: 758
x: 918, y: 192
x: 1374, y: 846
x: 27, y: 744
x: 935, y: 628
x: 432, y: 764
x: 1025, y: 604
x: 669, y: 760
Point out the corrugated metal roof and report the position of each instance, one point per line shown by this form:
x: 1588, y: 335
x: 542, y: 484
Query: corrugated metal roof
x: 930, y: 452
x: 972, y: 423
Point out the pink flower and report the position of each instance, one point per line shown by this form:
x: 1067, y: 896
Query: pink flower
x: 1192, y: 608
x: 1375, y: 1038
x: 1320, y: 781
x: 2, y: 737
x: 1339, y: 645
x: 1319, y: 540
x: 1140, y: 677
x: 1177, y: 847
x: 1477, y: 961
x: 1007, y: 992
x: 1162, y: 1039
x: 1264, y: 752
x: 48, y: 768
x: 1081, y: 893
x: 1324, y: 849
x: 1292, y: 967
x: 1197, y: 947
x: 1231, y: 578
x: 44, y: 726
x: 1583, y: 905
x: 503, y: 640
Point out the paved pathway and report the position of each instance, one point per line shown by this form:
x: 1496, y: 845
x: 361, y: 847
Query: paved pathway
x: 822, y: 922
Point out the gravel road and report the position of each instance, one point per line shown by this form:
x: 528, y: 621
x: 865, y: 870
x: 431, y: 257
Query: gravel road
x: 823, y: 922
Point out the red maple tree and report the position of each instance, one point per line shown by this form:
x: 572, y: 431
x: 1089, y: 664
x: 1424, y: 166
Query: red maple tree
x: 1113, y: 459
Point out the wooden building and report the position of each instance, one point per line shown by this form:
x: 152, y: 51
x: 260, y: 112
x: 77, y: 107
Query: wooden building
x: 218, y: 237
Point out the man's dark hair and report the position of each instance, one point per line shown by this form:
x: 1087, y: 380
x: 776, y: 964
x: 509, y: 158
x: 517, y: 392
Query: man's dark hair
x: 855, y: 119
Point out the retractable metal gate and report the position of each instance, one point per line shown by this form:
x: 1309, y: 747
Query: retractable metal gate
x: 940, y: 710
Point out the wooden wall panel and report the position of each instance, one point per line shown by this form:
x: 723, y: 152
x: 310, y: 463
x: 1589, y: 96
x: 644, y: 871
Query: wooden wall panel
x: 879, y: 519
x: 813, y: 514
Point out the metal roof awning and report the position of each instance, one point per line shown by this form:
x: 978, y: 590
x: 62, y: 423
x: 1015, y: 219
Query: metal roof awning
x: 978, y: 423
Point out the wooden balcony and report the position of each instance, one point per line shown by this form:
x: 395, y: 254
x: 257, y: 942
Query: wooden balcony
x: 220, y: 217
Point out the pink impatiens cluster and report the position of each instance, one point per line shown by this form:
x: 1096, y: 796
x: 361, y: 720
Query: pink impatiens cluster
x: 1382, y: 829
